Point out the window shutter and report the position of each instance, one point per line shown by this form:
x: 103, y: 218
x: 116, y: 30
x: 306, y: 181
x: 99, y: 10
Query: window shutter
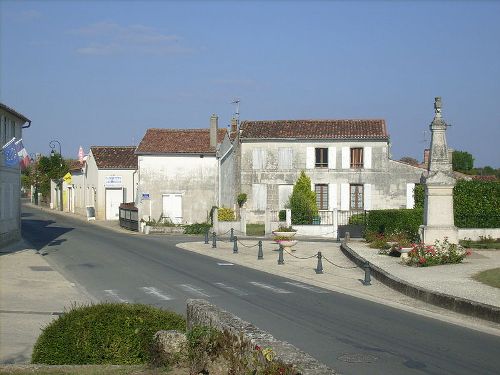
x: 259, y: 196
x: 367, y: 192
x: 410, y: 195
x: 256, y: 159
x: 345, y: 157
x: 367, y: 154
x: 332, y: 196
x: 344, y: 197
x: 284, y: 192
x: 332, y: 157
x: 310, y: 158
x: 284, y: 158
x: 263, y: 157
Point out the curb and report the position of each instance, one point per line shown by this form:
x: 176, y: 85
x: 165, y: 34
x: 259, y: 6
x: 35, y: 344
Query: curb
x: 456, y: 304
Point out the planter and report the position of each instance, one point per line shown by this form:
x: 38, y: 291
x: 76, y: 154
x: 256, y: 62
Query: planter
x: 404, y: 252
x: 147, y: 228
x: 287, y: 245
x: 284, y: 234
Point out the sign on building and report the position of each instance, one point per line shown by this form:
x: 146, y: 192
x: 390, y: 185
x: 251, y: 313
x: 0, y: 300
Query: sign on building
x: 113, y: 181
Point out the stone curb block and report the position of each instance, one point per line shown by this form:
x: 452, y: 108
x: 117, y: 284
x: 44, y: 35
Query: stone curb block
x: 201, y: 312
x: 457, y: 304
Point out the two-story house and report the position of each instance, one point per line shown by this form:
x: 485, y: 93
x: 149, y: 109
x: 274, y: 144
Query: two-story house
x: 347, y: 160
x: 181, y: 172
x: 11, y: 125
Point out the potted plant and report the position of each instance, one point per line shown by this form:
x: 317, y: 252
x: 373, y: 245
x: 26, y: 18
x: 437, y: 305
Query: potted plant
x: 284, y: 237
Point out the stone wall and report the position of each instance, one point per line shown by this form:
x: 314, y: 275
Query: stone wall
x: 475, y: 233
x: 200, y: 312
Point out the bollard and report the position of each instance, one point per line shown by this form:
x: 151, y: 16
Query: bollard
x: 214, y: 240
x: 367, y: 274
x: 347, y: 237
x: 235, y: 245
x: 319, y: 267
x: 231, y: 237
x: 280, y: 256
x: 206, y: 237
x: 260, y: 255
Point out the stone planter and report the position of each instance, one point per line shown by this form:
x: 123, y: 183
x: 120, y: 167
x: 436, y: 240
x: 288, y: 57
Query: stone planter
x: 284, y: 234
x: 285, y: 239
x: 404, y: 252
x: 147, y: 228
x: 287, y: 245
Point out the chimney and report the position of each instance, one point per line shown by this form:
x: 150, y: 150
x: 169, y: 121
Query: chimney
x: 426, y: 158
x: 234, y: 125
x: 214, y: 123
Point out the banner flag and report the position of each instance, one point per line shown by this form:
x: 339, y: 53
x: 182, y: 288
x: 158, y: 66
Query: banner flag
x: 10, y: 153
x: 24, y: 159
x: 80, y: 154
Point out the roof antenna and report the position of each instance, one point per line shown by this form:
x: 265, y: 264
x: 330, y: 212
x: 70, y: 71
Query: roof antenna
x: 237, y: 102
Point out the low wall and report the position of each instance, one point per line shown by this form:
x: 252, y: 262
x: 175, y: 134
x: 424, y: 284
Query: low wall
x: 475, y: 233
x: 329, y: 231
x: 200, y: 312
x: 225, y: 227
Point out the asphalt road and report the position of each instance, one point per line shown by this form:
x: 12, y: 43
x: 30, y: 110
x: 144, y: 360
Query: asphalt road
x: 351, y: 335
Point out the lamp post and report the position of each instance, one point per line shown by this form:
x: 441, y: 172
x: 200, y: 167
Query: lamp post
x: 52, y: 145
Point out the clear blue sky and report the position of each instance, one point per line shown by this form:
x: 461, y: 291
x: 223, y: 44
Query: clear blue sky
x: 101, y: 73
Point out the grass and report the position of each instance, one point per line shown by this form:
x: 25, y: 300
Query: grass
x: 255, y: 229
x: 483, y: 243
x: 489, y: 277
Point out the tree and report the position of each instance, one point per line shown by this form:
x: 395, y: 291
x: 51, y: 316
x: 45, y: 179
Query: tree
x: 462, y: 161
x: 302, y: 201
x: 42, y: 171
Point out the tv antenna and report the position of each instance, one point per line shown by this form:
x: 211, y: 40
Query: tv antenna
x: 237, y: 102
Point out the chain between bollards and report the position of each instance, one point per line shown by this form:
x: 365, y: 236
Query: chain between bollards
x: 260, y: 255
x: 367, y: 274
x: 214, y: 240
x: 235, y: 245
x: 206, y: 237
x: 319, y: 267
x: 280, y: 256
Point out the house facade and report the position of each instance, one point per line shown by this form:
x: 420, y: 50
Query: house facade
x: 12, y: 124
x: 347, y: 161
x: 181, y: 172
x: 109, y: 178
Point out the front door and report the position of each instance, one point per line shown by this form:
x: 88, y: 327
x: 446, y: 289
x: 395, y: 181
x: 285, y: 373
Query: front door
x: 172, y: 207
x: 114, y: 197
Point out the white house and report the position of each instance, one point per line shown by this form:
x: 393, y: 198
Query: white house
x: 181, y: 172
x: 11, y: 125
x: 347, y: 160
x: 109, y: 179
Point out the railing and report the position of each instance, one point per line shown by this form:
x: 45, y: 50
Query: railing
x: 343, y: 217
x: 129, y: 216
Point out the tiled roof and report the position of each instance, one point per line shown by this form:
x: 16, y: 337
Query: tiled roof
x: 114, y: 157
x: 183, y: 141
x: 75, y: 165
x: 314, y: 129
x: 14, y: 112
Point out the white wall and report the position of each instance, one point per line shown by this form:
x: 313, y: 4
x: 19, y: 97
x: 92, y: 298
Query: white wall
x: 475, y: 233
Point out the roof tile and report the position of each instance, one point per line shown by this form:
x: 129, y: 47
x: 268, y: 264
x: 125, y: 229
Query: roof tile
x: 114, y: 157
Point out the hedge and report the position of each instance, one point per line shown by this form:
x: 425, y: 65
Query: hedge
x: 395, y: 221
x: 107, y: 333
x: 476, y: 204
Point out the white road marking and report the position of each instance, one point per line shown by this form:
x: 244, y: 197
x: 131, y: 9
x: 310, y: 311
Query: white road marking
x: 305, y: 286
x: 225, y: 264
x: 115, y: 295
x: 155, y: 292
x: 232, y: 289
x: 270, y: 287
x: 192, y: 289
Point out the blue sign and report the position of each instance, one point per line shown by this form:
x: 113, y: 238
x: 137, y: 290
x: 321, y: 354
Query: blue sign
x: 11, y: 157
x: 145, y: 196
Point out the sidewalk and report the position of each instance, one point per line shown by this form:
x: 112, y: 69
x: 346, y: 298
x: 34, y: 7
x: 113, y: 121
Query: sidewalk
x: 32, y: 294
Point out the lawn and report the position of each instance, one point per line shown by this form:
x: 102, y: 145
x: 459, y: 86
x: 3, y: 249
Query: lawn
x: 486, y: 243
x: 255, y: 229
x: 489, y: 277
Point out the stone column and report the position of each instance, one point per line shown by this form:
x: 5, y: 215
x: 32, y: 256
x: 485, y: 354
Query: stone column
x: 439, y: 182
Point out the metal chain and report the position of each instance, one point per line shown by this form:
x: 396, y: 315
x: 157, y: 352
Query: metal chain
x: 242, y: 244
x: 336, y: 265
x: 312, y: 256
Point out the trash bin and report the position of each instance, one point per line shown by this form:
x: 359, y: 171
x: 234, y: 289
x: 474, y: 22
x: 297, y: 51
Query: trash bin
x: 316, y: 220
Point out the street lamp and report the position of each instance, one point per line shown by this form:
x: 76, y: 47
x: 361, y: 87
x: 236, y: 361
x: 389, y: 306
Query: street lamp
x: 52, y: 145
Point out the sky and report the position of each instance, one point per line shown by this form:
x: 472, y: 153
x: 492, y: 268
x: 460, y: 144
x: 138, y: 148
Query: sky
x: 102, y: 72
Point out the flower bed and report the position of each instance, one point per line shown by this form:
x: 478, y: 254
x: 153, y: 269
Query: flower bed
x: 422, y: 255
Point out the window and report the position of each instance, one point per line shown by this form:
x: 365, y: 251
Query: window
x: 258, y: 158
x: 357, y: 197
x: 321, y: 191
x: 284, y: 158
x: 357, y: 157
x: 321, y: 158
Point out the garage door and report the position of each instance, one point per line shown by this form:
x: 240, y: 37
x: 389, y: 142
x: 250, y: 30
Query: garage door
x: 114, y: 197
x: 172, y: 207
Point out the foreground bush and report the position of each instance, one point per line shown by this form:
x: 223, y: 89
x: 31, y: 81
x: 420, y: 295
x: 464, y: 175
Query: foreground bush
x: 197, y: 228
x: 108, y: 333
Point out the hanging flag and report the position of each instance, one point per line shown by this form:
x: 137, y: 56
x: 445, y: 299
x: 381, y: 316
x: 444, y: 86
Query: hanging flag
x: 80, y: 155
x: 24, y: 159
x: 10, y: 153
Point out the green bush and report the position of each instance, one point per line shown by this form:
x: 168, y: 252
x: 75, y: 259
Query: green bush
x: 358, y: 219
x: 225, y: 214
x: 241, y: 199
x: 404, y: 221
x: 282, y: 215
x: 197, y: 228
x: 107, y: 333
x: 476, y: 204
x: 303, y: 201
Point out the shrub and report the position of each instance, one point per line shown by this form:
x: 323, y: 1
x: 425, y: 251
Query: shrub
x: 422, y: 255
x: 404, y: 221
x: 225, y: 214
x: 204, y: 345
x: 282, y: 215
x: 197, y: 228
x: 107, y: 333
x: 241, y: 199
x: 302, y: 201
x: 358, y: 219
x: 282, y: 228
x: 476, y: 204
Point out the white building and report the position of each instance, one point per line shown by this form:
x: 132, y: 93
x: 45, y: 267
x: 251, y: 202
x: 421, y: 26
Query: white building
x: 180, y: 172
x: 11, y: 125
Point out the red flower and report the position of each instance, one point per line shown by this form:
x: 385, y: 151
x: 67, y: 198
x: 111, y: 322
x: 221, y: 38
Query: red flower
x: 422, y: 260
x: 257, y: 347
x: 468, y: 253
